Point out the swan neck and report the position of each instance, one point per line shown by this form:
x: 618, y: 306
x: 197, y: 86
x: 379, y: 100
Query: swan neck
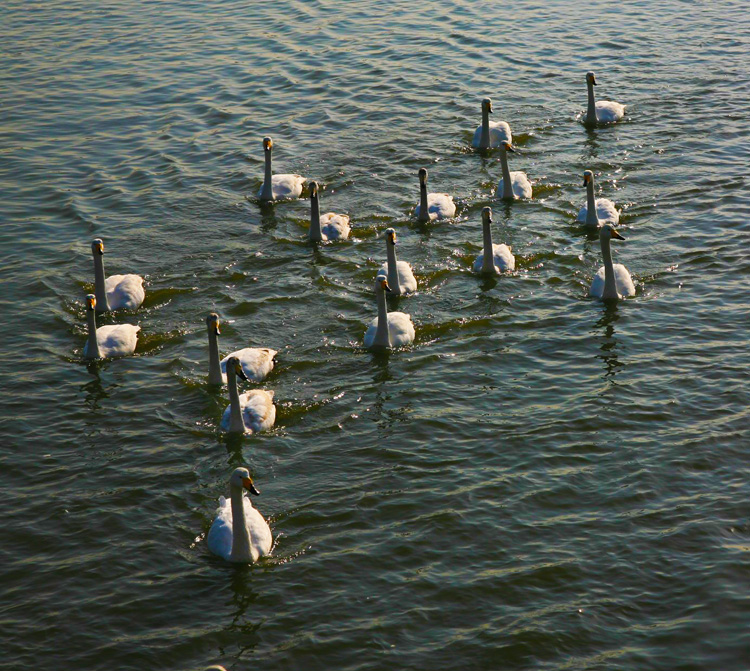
x: 92, y: 348
x: 102, y: 305
x: 267, y: 191
x: 507, y: 184
x: 610, y: 286
x: 235, y: 411
x: 240, y: 533
x: 591, y: 109
x: 488, y: 259
x: 315, y: 232
x: 484, y: 138
x: 214, y: 366
x: 424, y: 214
x: 592, y: 217
x: 382, y: 335
x: 390, y: 251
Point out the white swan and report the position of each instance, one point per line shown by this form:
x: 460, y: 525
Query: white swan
x: 433, y: 205
x: 400, y: 277
x: 117, y: 291
x: 612, y: 281
x: 513, y: 184
x: 602, y: 111
x: 250, y: 412
x: 388, y: 329
x: 256, y: 362
x: 490, y: 134
x: 106, y: 342
x: 495, y: 259
x: 239, y: 533
x: 596, y: 211
x: 276, y: 187
x: 328, y: 227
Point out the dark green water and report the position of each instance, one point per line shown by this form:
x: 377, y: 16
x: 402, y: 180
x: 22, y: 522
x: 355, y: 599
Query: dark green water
x: 540, y: 482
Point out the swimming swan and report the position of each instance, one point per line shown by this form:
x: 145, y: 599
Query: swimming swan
x: 513, y: 184
x: 433, y: 205
x: 596, y: 211
x: 117, y: 291
x: 328, y: 227
x: 603, y: 111
x: 256, y: 362
x: 495, y: 259
x: 401, y: 279
x: 388, y: 329
x: 250, y: 412
x: 250, y: 537
x: 276, y: 187
x: 613, y: 281
x: 490, y: 134
x: 106, y: 342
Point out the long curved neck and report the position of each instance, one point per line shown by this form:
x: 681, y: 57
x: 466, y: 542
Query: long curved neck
x: 424, y: 214
x: 315, y: 233
x: 484, y: 138
x: 488, y: 258
x: 592, y: 218
x: 591, y: 109
x: 267, y: 192
x: 383, y: 334
x: 507, y: 184
x: 102, y: 305
x: 610, y: 286
x: 214, y: 367
x: 92, y: 348
x: 240, y: 533
x: 235, y: 411
x: 393, y: 282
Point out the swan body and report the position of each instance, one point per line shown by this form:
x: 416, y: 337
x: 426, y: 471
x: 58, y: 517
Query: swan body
x: 596, y: 211
x: 612, y: 281
x: 239, y: 533
x: 400, y: 277
x: 116, y: 292
x: 490, y: 133
x: 513, y: 185
x: 278, y: 187
x: 388, y: 329
x: 494, y: 259
x: 250, y: 412
x: 433, y: 206
x: 329, y: 226
x: 600, y: 111
x: 256, y: 362
x: 110, y: 341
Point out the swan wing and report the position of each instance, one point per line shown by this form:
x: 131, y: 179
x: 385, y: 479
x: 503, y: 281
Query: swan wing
x: 504, y: 259
x: 372, y: 329
x: 401, y: 329
x: 440, y: 206
x: 256, y: 362
x: 499, y: 133
x: 258, y: 410
x: 406, y: 278
x: 124, y: 292
x: 219, y: 539
x: 117, y: 340
x: 335, y: 226
x: 597, y: 284
x: 260, y: 533
x: 608, y: 111
x: 623, y: 281
x: 606, y: 211
x: 287, y: 186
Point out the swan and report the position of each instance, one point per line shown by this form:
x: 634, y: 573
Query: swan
x: 106, y: 342
x: 117, y: 291
x: 276, y: 187
x: 401, y: 279
x: 256, y: 362
x: 433, y: 205
x: 388, y: 329
x: 490, y: 134
x: 513, y: 184
x: 603, y: 111
x: 250, y: 538
x: 495, y: 259
x: 612, y: 281
x: 250, y: 412
x: 596, y: 211
x: 328, y: 227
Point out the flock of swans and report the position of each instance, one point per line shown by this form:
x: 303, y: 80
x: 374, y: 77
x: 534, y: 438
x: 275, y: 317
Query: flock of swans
x: 239, y: 533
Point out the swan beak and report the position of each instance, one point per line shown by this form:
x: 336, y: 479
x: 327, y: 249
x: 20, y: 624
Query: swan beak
x: 489, y: 108
x: 100, y: 248
x: 585, y: 180
x: 268, y: 145
x: 385, y: 286
x: 509, y: 147
x: 91, y: 301
x: 241, y: 373
x: 247, y: 483
x: 217, y: 330
x: 616, y: 235
x: 593, y: 80
x: 393, y: 238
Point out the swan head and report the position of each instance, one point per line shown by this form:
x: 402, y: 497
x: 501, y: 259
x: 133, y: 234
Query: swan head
x: 314, y: 188
x: 241, y: 479
x: 97, y: 246
x: 381, y: 284
x: 487, y: 105
x: 212, y: 321
x: 91, y: 302
x: 608, y: 232
x: 267, y: 143
x: 486, y: 216
x: 508, y: 147
x: 423, y: 175
x: 588, y: 177
x: 390, y: 235
x: 234, y: 368
x: 590, y: 79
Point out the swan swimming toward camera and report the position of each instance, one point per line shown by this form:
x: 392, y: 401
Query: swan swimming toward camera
x: 494, y: 259
x: 329, y: 226
x: 388, y: 329
x: 400, y: 277
x: 601, y: 111
x: 278, y: 187
x: 513, y: 185
x: 596, y: 211
x: 117, y: 292
x: 490, y: 133
x: 612, y: 281
x: 433, y: 206
x: 250, y: 412
x: 109, y: 341
x: 239, y: 533
x: 256, y: 362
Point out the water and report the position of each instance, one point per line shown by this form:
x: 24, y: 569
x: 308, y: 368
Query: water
x: 540, y: 482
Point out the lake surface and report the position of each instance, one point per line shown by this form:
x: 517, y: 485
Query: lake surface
x: 539, y: 482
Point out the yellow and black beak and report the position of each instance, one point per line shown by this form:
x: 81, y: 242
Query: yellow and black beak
x: 241, y: 373
x: 616, y: 235
x: 91, y: 302
x: 489, y: 107
x: 586, y: 179
x: 392, y: 237
x: 247, y: 483
x: 99, y: 247
x: 268, y: 145
x: 593, y: 80
x: 384, y: 284
x: 217, y: 330
x: 509, y: 147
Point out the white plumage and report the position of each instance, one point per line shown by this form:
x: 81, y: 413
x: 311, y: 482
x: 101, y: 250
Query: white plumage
x: 490, y: 133
x: 623, y: 282
x: 117, y: 292
x: 432, y: 206
x: 115, y: 340
x: 606, y: 212
x: 399, y: 274
x: 278, y: 187
x: 257, y: 411
x: 329, y: 226
x: 388, y: 329
x: 499, y: 258
x: 600, y: 111
x: 256, y: 362
x: 612, y: 281
x: 520, y: 186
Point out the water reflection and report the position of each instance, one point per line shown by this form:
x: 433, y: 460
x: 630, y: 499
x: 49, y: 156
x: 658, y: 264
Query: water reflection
x: 591, y: 144
x: 606, y: 323
x: 245, y: 631
x: 268, y: 218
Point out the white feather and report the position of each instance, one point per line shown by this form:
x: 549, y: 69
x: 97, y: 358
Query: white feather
x: 256, y: 362
x: 502, y: 256
x: 258, y: 411
x: 439, y: 206
x: 219, y: 539
x: 400, y: 329
x: 623, y: 282
x: 115, y: 340
x: 605, y: 211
